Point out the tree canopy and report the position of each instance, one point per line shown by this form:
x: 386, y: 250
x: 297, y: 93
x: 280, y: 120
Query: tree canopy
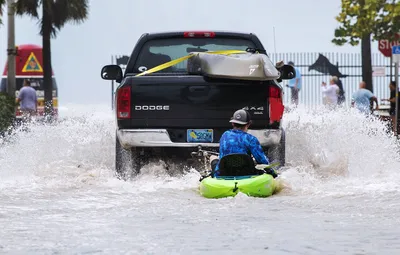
x: 360, y: 18
x: 58, y: 12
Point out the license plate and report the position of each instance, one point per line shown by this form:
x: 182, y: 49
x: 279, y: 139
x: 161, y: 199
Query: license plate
x: 200, y: 135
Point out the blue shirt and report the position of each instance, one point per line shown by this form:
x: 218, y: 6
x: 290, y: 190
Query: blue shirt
x: 292, y: 82
x: 361, y: 99
x: 236, y: 141
x: 28, y: 98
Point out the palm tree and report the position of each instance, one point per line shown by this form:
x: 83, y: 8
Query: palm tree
x: 55, y: 14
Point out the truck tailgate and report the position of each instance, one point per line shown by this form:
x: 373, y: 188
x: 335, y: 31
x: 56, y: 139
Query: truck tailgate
x: 194, y: 102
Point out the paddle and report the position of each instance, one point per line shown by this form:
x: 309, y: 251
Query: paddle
x: 264, y: 166
x: 268, y: 169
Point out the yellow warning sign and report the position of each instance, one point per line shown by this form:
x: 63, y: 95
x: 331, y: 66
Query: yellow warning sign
x: 32, y: 65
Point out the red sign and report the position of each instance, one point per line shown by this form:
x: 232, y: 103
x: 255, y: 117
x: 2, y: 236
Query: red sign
x: 385, y: 47
x: 28, y: 61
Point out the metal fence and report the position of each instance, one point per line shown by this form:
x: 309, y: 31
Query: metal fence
x: 318, y: 67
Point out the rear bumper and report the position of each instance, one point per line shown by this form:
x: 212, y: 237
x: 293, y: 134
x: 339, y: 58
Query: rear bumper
x: 160, y: 138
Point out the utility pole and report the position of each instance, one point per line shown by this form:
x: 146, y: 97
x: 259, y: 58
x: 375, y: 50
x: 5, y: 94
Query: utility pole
x: 11, y: 50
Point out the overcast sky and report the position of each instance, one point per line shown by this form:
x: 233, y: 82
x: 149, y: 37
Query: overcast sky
x: 113, y: 27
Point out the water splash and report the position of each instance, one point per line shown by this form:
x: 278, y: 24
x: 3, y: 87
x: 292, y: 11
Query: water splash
x: 339, y: 152
x: 74, y: 146
x: 329, y: 153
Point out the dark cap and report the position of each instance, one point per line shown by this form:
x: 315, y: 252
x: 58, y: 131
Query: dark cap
x: 241, y: 117
x: 291, y: 63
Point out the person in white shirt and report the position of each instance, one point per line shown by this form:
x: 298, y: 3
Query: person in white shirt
x: 330, y: 93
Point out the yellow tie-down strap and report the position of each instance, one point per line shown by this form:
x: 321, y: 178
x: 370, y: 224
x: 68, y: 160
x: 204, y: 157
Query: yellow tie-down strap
x: 179, y: 60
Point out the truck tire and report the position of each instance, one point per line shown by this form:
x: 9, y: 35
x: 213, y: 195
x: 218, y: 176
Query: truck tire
x: 277, y: 153
x: 127, y: 162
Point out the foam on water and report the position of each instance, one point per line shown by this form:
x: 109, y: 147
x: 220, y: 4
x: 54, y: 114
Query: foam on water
x: 339, y: 153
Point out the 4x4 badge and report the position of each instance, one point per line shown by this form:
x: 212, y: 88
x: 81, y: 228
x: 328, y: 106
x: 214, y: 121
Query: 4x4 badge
x: 254, y: 108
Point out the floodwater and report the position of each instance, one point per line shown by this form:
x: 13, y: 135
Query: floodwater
x: 58, y: 194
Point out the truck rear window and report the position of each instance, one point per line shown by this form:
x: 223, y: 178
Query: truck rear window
x: 160, y: 51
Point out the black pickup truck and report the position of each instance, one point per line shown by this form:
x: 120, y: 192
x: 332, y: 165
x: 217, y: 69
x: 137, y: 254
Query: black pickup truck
x: 158, y: 113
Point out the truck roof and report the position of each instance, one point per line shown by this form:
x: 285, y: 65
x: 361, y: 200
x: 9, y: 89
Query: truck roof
x: 180, y: 33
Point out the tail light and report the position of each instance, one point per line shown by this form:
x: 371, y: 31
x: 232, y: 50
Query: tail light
x: 124, y: 103
x: 276, y: 107
x: 199, y: 34
x: 275, y: 92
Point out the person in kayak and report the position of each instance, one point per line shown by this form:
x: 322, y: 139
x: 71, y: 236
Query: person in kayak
x: 238, y: 141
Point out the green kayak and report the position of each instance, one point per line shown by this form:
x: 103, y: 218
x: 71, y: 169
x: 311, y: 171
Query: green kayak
x: 263, y: 185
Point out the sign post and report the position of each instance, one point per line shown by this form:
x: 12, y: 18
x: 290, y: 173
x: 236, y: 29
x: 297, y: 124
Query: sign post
x: 396, y: 60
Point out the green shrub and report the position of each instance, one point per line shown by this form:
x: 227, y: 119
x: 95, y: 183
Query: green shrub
x: 7, y: 111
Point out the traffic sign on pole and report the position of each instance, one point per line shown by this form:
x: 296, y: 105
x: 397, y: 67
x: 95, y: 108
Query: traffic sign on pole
x: 396, y: 54
x: 385, y: 46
